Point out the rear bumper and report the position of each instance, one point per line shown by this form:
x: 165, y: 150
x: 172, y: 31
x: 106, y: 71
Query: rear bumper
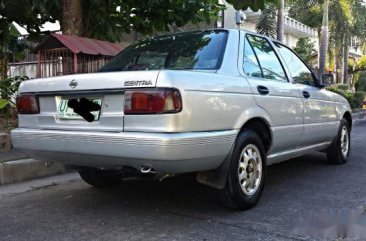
x: 167, y: 153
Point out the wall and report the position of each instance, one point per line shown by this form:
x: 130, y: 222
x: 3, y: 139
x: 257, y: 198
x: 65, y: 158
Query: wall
x: 248, y: 26
x: 290, y: 40
x: 23, y: 69
x: 229, y: 17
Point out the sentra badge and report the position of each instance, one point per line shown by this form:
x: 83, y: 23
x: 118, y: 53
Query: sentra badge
x: 138, y: 83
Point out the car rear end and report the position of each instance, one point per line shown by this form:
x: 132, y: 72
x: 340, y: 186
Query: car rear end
x: 131, y: 114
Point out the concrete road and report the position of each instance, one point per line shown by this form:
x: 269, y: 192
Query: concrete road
x: 301, y: 191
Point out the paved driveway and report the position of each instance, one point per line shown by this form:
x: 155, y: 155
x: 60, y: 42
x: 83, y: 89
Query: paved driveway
x: 303, y: 190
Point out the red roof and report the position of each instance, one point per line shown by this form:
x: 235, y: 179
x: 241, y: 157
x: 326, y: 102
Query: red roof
x: 78, y: 44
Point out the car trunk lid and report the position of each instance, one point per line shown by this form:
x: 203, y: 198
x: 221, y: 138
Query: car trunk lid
x: 104, y: 89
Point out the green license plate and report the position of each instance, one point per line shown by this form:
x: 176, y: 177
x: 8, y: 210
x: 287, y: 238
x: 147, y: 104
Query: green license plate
x: 66, y: 113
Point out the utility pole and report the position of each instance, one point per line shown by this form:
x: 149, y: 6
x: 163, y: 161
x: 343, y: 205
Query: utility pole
x: 324, y: 40
x: 280, y: 20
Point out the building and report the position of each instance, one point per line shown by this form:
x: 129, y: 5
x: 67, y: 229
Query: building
x: 294, y: 30
x: 59, y: 54
x: 64, y: 54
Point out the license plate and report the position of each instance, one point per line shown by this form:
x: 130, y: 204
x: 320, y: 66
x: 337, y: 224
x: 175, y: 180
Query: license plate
x: 66, y: 113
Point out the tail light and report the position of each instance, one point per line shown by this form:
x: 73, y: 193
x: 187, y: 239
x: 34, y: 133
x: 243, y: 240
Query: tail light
x: 156, y: 101
x: 27, y: 104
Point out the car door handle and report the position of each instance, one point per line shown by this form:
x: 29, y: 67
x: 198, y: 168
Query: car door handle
x: 306, y: 94
x: 262, y: 90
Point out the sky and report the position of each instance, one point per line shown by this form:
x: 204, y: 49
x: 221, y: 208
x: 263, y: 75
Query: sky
x: 45, y: 27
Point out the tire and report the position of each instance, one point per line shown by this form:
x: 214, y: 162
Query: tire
x: 338, y: 152
x: 98, y: 178
x: 236, y: 194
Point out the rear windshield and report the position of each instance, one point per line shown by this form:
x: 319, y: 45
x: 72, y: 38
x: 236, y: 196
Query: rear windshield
x: 192, y: 50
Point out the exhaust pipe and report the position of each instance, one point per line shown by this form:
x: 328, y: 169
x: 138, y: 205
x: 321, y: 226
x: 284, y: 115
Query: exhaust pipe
x: 146, y: 169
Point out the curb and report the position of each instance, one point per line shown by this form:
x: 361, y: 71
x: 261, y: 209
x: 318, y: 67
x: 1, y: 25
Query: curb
x: 5, y: 142
x: 25, y: 169
x: 358, y: 114
x: 28, y: 186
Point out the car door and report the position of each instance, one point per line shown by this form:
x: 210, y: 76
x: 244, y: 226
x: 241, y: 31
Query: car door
x: 320, y: 113
x: 273, y: 92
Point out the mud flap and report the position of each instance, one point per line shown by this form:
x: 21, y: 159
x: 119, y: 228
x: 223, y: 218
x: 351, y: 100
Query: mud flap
x: 216, y: 178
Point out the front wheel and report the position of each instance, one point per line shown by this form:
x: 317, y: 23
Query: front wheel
x: 247, y: 172
x: 338, y: 152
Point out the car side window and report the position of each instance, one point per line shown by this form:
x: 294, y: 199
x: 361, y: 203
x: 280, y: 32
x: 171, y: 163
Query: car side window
x: 250, y: 63
x: 300, y: 73
x: 268, y: 60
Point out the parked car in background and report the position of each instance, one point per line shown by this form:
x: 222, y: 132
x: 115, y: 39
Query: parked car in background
x: 220, y: 103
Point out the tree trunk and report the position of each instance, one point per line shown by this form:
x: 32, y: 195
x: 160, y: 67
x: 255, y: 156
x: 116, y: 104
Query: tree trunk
x: 345, y: 64
x: 3, y: 66
x: 339, y: 62
x: 72, y: 17
x: 324, y: 40
x: 280, y: 20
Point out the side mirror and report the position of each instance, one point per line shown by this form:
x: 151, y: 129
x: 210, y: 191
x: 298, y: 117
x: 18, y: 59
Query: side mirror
x: 327, y: 80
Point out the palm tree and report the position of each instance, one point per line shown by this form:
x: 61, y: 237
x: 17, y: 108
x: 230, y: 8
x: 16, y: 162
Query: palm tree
x: 342, y: 16
x: 324, y: 39
x: 280, y: 20
x: 267, y: 22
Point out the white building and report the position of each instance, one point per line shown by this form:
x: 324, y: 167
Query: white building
x: 294, y: 30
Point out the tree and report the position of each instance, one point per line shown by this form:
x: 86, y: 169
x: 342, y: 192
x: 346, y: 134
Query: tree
x: 340, y: 29
x: 361, y: 64
x: 356, y: 32
x: 105, y: 20
x: 72, y: 17
x: 9, y: 47
x: 347, y: 19
x: 108, y: 19
x: 315, y: 16
x: 267, y: 21
x: 312, y: 16
x: 305, y: 49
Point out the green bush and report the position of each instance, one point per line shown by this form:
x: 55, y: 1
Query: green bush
x: 360, y: 81
x: 360, y: 95
x: 343, y: 87
x: 361, y: 64
x: 351, y: 65
x: 8, y: 91
x: 354, y: 99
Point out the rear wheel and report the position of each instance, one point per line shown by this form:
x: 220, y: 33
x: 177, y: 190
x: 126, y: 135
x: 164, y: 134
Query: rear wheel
x: 338, y: 152
x: 99, y: 178
x: 247, y: 172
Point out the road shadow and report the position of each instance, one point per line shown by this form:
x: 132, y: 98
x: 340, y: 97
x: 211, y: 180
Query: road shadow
x: 180, y: 203
x: 184, y: 193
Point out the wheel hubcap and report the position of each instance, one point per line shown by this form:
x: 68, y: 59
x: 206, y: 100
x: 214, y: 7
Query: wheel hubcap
x: 250, y: 169
x: 344, y: 141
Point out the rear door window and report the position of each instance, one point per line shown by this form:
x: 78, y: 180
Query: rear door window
x: 268, y: 60
x: 251, y: 66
